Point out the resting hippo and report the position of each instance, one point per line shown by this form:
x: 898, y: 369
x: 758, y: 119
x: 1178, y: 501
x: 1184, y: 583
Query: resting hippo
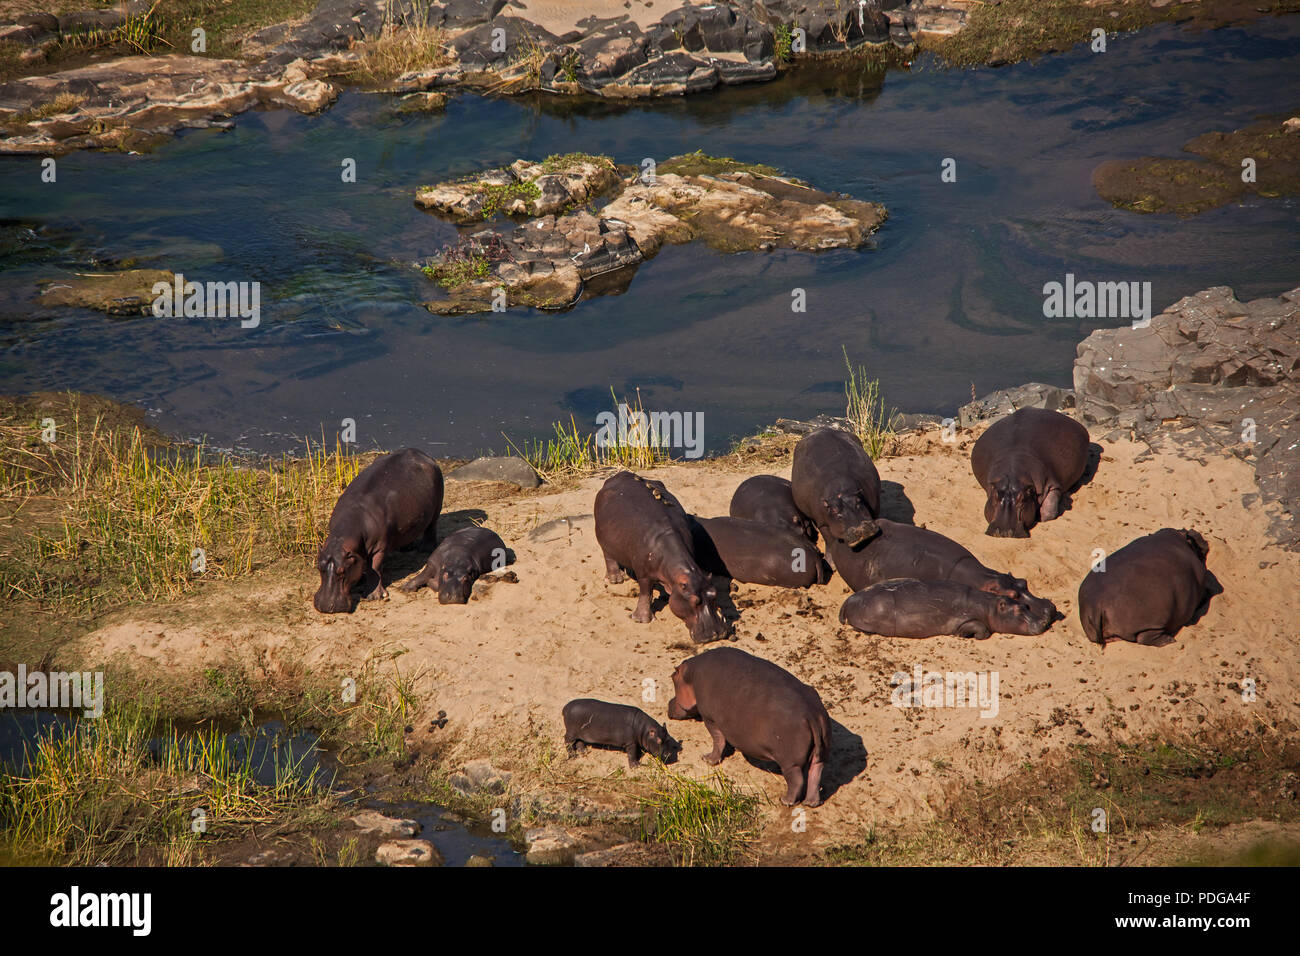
x: 1151, y: 587
x: 392, y: 503
x: 906, y: 607
x: 768, y: 499
x: 763, y: 711
x: 834, y: 483
x: 757, y: 553
x: 630, y: 729
x: 641, y: 527
x: 463, y: 557
x: 1026, y: 463
x: 905, y: 551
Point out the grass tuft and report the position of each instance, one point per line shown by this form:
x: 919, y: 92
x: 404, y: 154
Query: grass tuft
x: 865, y: 410
x: 706, y: 822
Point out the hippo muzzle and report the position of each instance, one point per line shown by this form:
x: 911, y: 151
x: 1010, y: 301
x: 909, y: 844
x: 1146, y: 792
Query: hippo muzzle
x: 454, y: 589
x: 1011, y: 512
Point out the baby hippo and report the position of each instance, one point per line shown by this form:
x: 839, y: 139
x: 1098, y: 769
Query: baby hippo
x: 768, y: 499
x: 906, y: 607
x: 461, y: 559
x: 630, y: 729
x: 757, y: 553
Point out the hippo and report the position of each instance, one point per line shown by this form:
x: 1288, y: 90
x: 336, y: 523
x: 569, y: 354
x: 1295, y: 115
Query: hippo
x: 906, y: 607
x: 768, y: 499
x: 463, y: 557
x: 763, y: 711
x: 641, y: 527
x: 1150, y: 589
x: 392, y: 503
x: 906, y: 551
x: 757, y: 553
x: 1026, y: 463
x: 630, y: 729
x: 834, y: 482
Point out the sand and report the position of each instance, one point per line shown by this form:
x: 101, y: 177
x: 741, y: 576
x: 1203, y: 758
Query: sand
x: 503, y: 665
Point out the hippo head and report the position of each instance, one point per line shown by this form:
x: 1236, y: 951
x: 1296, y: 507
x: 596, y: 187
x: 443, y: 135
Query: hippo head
x: 341, y: 567
x: 657, y: 742
x: 693, y: 599
x: 1196, y: 543
x: 1020, y: 616
x: 1012, y: 508
x: 849, y: 519
x: 1009, y: 586
x: 683, y: 706
x: 454, y: 584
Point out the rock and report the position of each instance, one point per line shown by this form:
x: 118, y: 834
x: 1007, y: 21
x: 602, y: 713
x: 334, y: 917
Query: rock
x: 624, y: 854
x: 477, y: 860
x: 510, y: 469
x: 371, y: 821
x: 791, y: 426
x: 480, y: 777
x: 550, y: 846
x: 408, y: 853
x: 1204, y: 372
x: 524, y: 189
x: 115, y: 293
x: 1003, y: 402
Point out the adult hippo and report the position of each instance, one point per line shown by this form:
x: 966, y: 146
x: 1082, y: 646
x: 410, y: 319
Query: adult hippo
x: 763, y: 711
x: 1150, y: 589
x: 1026, y: 463
x: 630, y: 729
x: 834, y: 482
x: 906, y: 607
x: 393, y: 502
x: 757, y: 553
x: 768, y: 499
x: 906, y: 551
x: 463, y: 557
x: 641, y: 527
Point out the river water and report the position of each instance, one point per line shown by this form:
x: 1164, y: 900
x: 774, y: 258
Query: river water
x: 949, y: 298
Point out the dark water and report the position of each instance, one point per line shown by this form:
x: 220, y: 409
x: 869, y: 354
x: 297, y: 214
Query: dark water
x: 950, y: 298
x: 273, y: 753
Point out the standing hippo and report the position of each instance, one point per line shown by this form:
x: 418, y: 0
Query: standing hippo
x: 768, y: 499
x: 906, y: 551
x: 1151, y: 588
x: 630, y: 729
x: 463, y: 557
x: 763, y: 711
x: 1026, y: 463
x: 757, y: 553
x: 641, y: 527
x: 906, y: 607
x: 393, y: 502
x: 835, y: 483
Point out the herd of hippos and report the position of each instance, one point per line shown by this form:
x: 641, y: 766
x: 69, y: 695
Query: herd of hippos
x: 907, y: 581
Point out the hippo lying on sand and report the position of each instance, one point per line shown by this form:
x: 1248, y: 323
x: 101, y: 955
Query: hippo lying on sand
x: 1026, y: 463
x: 757, y: 553
x: 393, y: 502
x: 630, y: 729
x: 763, y: 711
x: 835, y: 483
x: 463, y: 557
x: 642, y: 528
x: 905, y: 551
x: 1150, y: 589
x: 768, y: 499
x: 906, y: 607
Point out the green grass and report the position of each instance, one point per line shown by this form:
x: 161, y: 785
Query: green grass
x: 453, y: 275
x: 573, y: 453
x: 707, y: 822
x: 865, y: 410
x: 700, y: 163
x: 118, y: 789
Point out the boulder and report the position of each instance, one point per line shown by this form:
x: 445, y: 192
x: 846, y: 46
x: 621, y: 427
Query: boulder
x: 510, y: 469
x: 408, y: 853
x: 371, y: 821
x: 550, y: 846
x: 479, y: 777
x: 114, y: 293
x: 1003, y: 402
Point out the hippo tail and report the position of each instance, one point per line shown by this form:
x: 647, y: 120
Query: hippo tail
x: 821, y: 736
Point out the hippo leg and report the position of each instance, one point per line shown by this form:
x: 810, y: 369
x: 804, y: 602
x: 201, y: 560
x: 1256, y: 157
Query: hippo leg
x: 417, y: 582
x: 813, y: 792
x: 379, y: 592
x: 714, y: 757
x: 794, y: 784
x: 642, y: 614
x: 430, y: 537
x: 1050, y: 506
x: 1156, y: 637
x: 633, y: 755
x: 574, y: 746
x: 613, y: 573
x: 976, y: 629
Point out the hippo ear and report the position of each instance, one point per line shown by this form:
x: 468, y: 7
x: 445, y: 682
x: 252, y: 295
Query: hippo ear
x: 1196, y: 542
